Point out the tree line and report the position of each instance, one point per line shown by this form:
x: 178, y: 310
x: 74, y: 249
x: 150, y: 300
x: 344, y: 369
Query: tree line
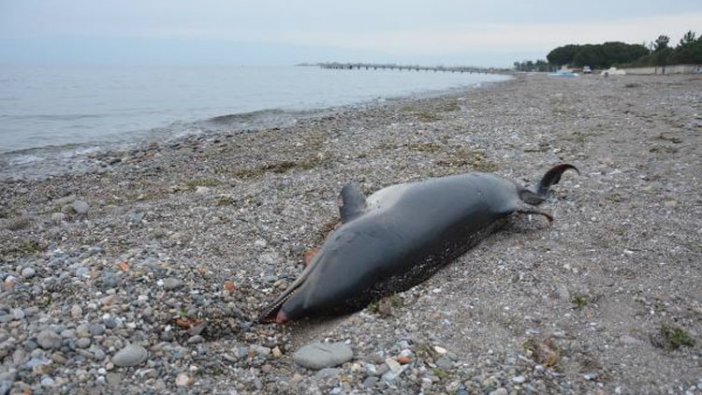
x: 615, y: 53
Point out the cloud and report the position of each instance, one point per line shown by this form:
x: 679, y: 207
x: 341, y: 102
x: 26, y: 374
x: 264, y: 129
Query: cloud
x: 504, y: 37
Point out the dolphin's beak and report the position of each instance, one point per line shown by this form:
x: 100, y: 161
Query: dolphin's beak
x: 281, y: 318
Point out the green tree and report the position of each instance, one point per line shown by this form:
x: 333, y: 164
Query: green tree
x: 589, y: 55
x: 661, y: 43
x: 688, y: 50
x: 563, y: 55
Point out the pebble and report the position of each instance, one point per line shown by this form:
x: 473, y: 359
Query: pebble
x: 83, y: 342
x: 80, y: 207
x: 18, y: 314
x: 97, y: 329
x: 499, y: 391
x: 57, y: 218
x: 172, y: 283
x: 76, y: 312
x: 323, y: 355
x: 28, y: 272
x: 83, y: 272
x: 48, y: 339
x: 131, y: 355
x: 519, y: 379
x: 183, y: 380
x: 370, y: 382
x: 444, y: 363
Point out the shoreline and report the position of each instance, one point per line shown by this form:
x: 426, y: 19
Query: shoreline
x: 175, y: 247
x: 36, y: 163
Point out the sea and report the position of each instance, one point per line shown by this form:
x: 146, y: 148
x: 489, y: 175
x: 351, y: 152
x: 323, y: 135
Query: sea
x: 49, y: 112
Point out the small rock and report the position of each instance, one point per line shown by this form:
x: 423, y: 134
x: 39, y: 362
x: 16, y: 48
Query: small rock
x: 562, y: 292
x: 323, y: 355
x: 327, y: 373
x: 28, y: 272
x: 172, y: 283
x: 47, y: 382
x: 499, y: 391
x: 57, y: 218
x: 18, y: 314
x: 444, y: 363
x: 80, y: 207
x: 630, y: 340
x: 97, y: 329
x: 48, y: 339
x: 370, y: 382
x: 76, y: 312
x: 109, y: 280
x: 260, y: 243
x: 276, y: 352
x: 393, y: 365
x: 136, y: 217
x: 201, y: 190
x: 519, y: 379
x: 440, y: 350
x: 131, y: 355
x: 83, y: 342
x: 183, y: 380
x: 83, y: 272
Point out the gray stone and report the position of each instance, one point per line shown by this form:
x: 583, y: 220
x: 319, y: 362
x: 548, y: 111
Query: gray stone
x: 171, y: 283
x: 136, y: 217
x: 444, y: 363
x: 499, y: 391
x: 28, y: 272
x: 327, y: 373
x: 370, y: 382
x: 323, y: 355
x: 58, y: 217
x: 518, y: 379
x: 131, y: 355
x: 5, y: 387
x: 83, y: 342
x: 18, y: 314
x: 48, y: 339
x: 80, y: 206
x: 97, y: 329
x: 83, y: 271
x: 109, y: 280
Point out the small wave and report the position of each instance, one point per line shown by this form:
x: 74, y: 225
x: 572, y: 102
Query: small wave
x: 246, y: 116
x: 25, y: 160
x: 53, y: 117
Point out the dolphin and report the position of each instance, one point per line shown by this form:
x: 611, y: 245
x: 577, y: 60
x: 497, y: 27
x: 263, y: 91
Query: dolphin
x: 400, y: 236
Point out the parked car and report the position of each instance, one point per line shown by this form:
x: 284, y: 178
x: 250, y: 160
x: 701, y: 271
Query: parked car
x: 587, y: 70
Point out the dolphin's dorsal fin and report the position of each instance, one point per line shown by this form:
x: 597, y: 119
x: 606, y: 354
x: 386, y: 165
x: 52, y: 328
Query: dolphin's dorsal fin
x: 352, y: 202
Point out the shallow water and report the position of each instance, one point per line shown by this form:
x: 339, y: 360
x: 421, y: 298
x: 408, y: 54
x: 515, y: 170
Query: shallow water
x: 58, y: 106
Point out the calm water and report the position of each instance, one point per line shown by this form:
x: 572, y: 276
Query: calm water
x: 90, y: 106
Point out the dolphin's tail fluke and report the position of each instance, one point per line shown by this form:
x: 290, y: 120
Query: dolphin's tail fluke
x: 551, y: 177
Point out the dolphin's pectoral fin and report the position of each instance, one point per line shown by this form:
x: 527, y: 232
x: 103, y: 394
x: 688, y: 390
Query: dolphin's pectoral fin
x: 352, y: 202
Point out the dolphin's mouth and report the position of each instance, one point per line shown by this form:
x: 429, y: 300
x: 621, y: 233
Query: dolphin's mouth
x: 273, y: 312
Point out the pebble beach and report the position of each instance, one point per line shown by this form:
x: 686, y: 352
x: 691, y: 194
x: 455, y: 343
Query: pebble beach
x: 143, y: 270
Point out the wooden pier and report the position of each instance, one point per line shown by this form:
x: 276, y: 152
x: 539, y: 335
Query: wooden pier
x: 377, y: 66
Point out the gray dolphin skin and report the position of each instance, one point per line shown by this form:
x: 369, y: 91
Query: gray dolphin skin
x: 400, y: 236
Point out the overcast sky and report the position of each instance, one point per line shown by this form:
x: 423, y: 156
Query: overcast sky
x: 484, y: 33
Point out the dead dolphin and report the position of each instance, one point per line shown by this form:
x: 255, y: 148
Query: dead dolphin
x: 401, y: 235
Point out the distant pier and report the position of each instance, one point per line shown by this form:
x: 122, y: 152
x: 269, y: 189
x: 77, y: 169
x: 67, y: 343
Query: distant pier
x: 378, y: 66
